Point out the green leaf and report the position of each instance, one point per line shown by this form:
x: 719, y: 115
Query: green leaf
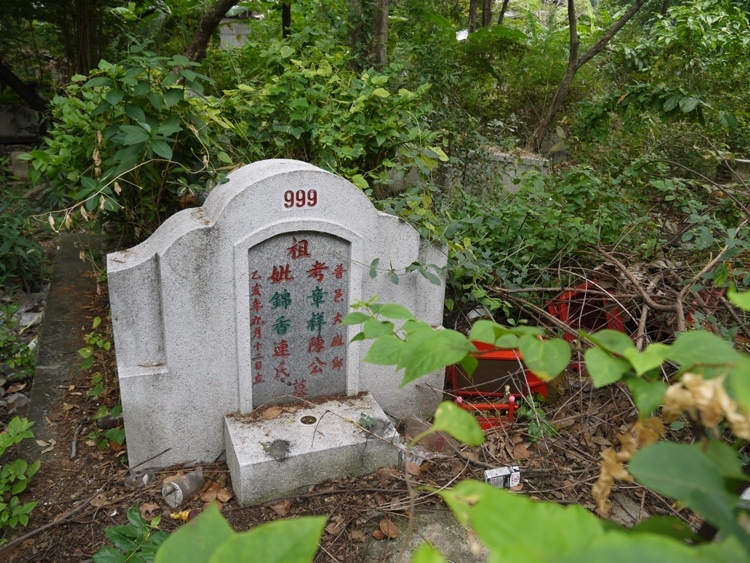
x: 426, y: 553
x: 197, y: 540
x: 135, y: 113
x: 285, y: 541
x: 355, y: 318
x: 180, y: 60
x: 381, y: 93
x: 134, y: 134
x: 394, y: 311
x: 685, y: 473
x: 647, y: 395
x: 373, y: 268
x: 98, y: 81
x: 459, y: 423
x: 739, y: 383
x: 742, y: 300
x: 173, y: 96
x: 162, y: 149
x: 385, y: 351
x: 703, y: 353
x: 374, y: 328
x: 688, y: 104
x: 546, y: 358
x: 670, y: 526
x: 286, y: 52
x: 652, y: 357
x: 114, y: 97
x: 109, y: 554
x: 612, y: 340
x: 430, y: 350
x: 604, y: 368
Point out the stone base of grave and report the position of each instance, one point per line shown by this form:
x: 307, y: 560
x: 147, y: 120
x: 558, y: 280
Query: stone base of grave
x: 273, y: 452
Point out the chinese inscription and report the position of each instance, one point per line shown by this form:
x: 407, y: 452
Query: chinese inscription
x: 299, y: 287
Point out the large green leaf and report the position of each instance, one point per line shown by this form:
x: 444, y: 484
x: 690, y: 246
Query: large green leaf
x: 453, y: 420
x: 739, y: 383
x: 651, y: 358
x: 546, y: 358
x: 428, y: 351
x: 427, y: 554
x: 703, y: 352
x: 647, y: 395
x: 604, y: 368
x: 385, y: 351
x: 611, y: 340
x: 197, y: 540
x: 742, y: 300
x: 284, y: 541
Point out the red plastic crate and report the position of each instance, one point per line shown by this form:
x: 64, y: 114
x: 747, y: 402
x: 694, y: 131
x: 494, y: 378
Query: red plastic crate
x: 484, y: 394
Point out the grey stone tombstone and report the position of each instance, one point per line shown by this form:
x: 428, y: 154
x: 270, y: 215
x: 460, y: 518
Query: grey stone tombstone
x: 232, y: 307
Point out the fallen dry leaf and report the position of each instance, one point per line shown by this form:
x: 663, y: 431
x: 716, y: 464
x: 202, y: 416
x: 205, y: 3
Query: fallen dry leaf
x: 282, y: 507
x: 211, y: 491
x: 271, y: 412
x: 413, y: 468
x: 520, y: 451
x: 334, y: 528
x: 70, y: 406
x: 357, y: 536
x: 223, y: 496
x: 15, y: 388
x: 99, y: 500
x: 388, y: 528
x: 388, y: 472
x: 149, y: 510
x: 378, y: 535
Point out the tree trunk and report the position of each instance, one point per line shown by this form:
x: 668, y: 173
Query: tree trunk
x: 26, y: 93
x: 487, y: 12
x: 473, y: 4
x: 286, y: 18
x: 208, y: 24
x: 379, y: 49
x: 501, y: 17
x: 357, y: 36
x: 534, y: 143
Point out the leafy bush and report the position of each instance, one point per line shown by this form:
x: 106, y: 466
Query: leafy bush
x: 16, y: 356
x: 15, y: 476
x: 136, y: 541
x: 129, y: 141
x: 21, y: 257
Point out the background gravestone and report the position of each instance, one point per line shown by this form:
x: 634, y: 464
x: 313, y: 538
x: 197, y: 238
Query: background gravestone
x: 194, y: 307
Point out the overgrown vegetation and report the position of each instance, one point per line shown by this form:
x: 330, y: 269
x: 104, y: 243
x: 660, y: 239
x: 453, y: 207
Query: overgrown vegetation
x: 15, y: 474
x: 644, y: 190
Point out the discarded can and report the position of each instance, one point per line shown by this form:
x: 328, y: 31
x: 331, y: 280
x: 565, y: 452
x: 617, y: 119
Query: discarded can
x: 178, y: 490
x: 503, y: 477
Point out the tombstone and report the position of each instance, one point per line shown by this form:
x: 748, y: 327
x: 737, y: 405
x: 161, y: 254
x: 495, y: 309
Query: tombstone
x: 227, y: 334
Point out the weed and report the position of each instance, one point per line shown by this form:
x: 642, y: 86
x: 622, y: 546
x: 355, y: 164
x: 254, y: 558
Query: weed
x: 15, y: 477
x: 136, y: 541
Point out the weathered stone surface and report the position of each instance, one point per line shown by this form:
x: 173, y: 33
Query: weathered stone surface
x: 183, y: 307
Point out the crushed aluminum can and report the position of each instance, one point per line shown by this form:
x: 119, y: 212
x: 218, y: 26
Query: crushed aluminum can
x: 503, y: 477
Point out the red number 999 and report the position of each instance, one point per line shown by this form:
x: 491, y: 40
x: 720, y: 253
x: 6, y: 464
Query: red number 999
x: 300, y: 198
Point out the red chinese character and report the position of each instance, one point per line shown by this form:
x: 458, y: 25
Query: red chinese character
x: 258, y: 378
x: 257, y: 333
x: 255, y: 275
x: 338, y: 295
x: 281, y: 372
x: 338, y: 340
x: 281, y: 274
x: 257, y: 321
x: 337, y: 362
x: 299, y: 388
x: 256, y: 290
x: 257, y: 346
x: 338, y: 318
x: 258, y: 366
x: 339, y: 271
x: 298, y: 249
x: 316, y: 345
x: 257, y: 305
x: 316, y: 367
x: 316, y: 272
x: 281, y: 349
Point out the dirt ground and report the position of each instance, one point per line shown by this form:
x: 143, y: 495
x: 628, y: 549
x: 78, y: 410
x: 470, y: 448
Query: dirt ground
x: 82, y: 490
